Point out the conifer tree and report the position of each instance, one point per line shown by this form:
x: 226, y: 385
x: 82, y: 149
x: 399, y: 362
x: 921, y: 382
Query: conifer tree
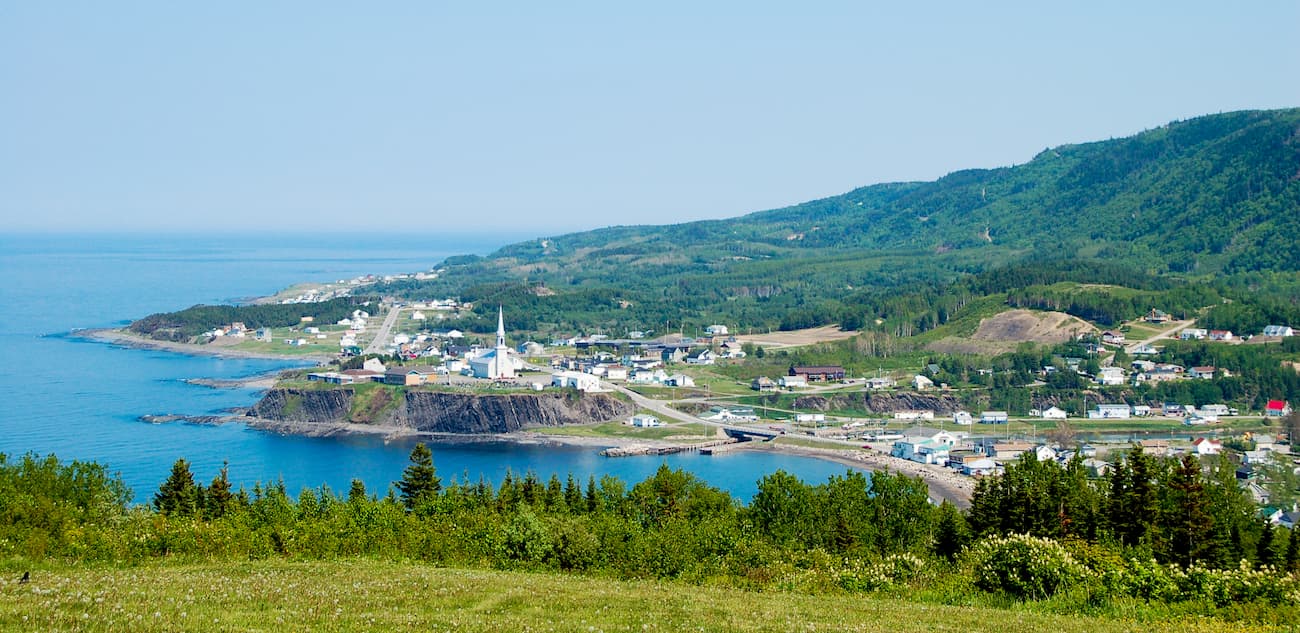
x: 1264, y: 546
x: 1188, y: 522
x: 951, y: 534
x: 420, y: 483
x: 592, y: 499
x: 1291, y: 563
x: 178, y: 495
x: 220, y: 500
x: 572, y: 494
x: 357, y: 491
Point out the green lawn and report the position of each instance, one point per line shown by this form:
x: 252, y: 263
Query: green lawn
x: 365, y: 595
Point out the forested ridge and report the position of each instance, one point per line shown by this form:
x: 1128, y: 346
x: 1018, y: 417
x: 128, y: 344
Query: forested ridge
x: 1215, y: 199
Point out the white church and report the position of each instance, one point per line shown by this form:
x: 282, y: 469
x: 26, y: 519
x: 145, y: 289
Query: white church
x: 498, y: 363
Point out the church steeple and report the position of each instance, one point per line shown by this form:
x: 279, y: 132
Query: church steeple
x: 501, y: 328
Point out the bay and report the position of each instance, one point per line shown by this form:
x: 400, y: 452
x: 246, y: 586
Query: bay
x: 82, y: 400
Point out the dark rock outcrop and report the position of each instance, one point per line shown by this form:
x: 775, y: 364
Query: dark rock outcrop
x: 881, y: 402
x: 304, y: 405
x: 445, y: 412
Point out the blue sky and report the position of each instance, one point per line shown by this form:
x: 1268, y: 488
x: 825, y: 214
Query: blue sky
x: 436, y: 117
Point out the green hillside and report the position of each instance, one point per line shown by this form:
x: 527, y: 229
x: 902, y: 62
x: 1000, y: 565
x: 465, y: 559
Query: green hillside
x: 1199, y: 199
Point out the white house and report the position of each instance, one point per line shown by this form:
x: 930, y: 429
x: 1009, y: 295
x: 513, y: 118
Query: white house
x: 1053, y: 413
x: 1111, y: 412
x: 979, y: 467
x: 790, y: 382
x: 962, y: 418
x: 1110, y: 376
x: 532, y: 348
x: 680, y: 380
x: 716, y: 330
x: 418, y: 316
x: 576, y: 380
x: 994, y: 417
x: 703, y: 357
x: 648, y: 376
x: 1204, y: 373
x: 810, y: 417
x: 923, y: 450
x: 1278, y: 330
x: 1145, y: 350
x: 883, y: 382
x: 645, y: 421
x: 1193, y: 334
x: 922, y: 382
x: 1207, y: 446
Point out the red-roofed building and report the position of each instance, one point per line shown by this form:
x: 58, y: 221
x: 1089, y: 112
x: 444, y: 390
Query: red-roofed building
x: 1277, y: 408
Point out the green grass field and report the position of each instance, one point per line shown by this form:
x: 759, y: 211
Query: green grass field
x: 365, y: 595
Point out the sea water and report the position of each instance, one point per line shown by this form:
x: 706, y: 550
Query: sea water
x: 80, y: 399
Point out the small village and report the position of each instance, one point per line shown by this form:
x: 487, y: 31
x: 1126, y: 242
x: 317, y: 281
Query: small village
x: 677, y: 373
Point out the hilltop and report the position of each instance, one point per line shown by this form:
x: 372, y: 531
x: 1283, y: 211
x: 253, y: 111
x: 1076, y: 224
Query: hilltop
x: 1212, y: 196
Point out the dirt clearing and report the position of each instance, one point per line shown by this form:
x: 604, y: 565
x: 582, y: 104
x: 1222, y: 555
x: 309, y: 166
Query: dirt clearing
x: 1003, y: 332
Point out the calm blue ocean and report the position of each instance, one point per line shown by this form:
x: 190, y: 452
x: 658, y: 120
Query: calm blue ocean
x: 82, y: 400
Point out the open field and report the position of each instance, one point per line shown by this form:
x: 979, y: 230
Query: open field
x: 796, y: 338
x: 365, y: 595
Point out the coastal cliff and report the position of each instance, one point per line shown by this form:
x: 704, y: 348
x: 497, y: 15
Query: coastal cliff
x: 441, y: 412
x: 881, y: 402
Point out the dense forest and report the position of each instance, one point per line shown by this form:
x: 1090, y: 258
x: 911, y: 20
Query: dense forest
x: 1173, y: 534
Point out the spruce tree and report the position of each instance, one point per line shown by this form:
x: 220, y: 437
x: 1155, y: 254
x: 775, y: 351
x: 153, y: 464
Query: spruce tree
x: 1292, y: 562
x: 951, y: 534
x: 420, y: 483
x: 1264, y: 546
x: 572, y: 494
x: 357, y: 491
x: 178, y: 495
x: 220, y: 500
x: 593, y: 501
x: 1188, y: 522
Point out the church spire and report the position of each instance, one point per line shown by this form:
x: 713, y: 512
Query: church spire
x: 501, y: 327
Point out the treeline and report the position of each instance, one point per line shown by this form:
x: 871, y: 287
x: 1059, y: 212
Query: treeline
x: 1110, y: 308
x: 1038, y: 531
x: 1253, y: 314
x: 196, y: 320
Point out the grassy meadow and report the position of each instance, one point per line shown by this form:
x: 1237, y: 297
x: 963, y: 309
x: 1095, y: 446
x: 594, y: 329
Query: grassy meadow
x: 369, y: 595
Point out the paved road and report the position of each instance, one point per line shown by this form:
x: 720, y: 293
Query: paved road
x: 378, y: 343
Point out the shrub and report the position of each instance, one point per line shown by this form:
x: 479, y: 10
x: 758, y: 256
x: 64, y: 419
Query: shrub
x: 1023, y: 566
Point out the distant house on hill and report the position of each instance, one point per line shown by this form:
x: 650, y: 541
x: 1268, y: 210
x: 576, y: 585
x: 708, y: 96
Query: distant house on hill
x: 820, y: 373
x: 1157, y: 316
x: 1278, y: 330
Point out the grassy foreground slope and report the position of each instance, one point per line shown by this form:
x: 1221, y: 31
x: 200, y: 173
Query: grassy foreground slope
x: 366, y: 595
